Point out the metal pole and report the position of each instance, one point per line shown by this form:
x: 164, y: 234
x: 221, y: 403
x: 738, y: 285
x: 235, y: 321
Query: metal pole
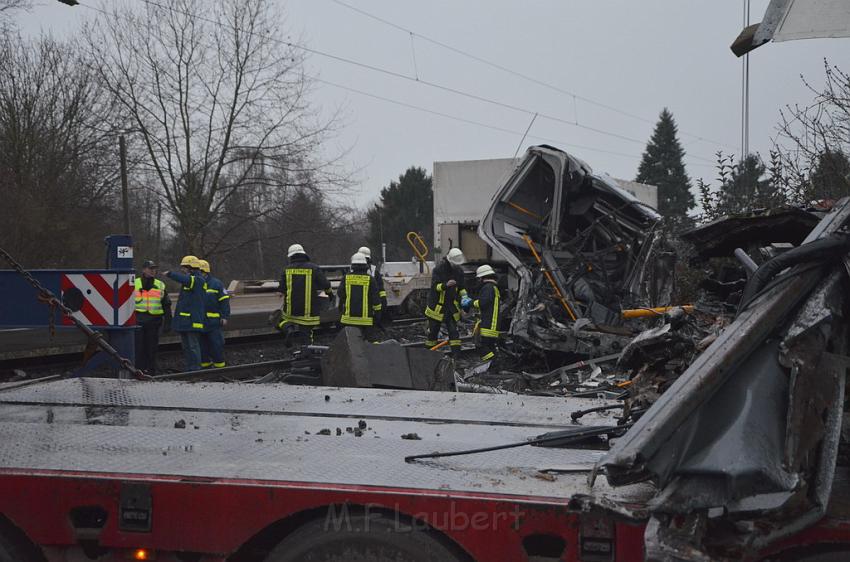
x: 125, y: 196
x: 745, y: 92
x: 158, y: 230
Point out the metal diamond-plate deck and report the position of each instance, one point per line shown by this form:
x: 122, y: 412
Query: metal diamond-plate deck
x: 269, y: 432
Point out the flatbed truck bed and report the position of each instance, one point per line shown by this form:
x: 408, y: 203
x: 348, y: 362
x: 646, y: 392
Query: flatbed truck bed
x: 224, y: 471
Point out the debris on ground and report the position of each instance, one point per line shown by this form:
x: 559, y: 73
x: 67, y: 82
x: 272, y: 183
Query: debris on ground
x: 411, y: 436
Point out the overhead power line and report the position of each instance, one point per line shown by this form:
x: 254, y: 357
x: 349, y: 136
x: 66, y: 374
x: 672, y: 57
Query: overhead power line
x: 459, y: 119
x: 406, y: 77
x: 514, y: 72
x: 413, y: 79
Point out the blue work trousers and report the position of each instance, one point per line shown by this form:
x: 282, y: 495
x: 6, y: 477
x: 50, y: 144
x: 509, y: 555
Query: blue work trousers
x: 212, y: 349
x: 191, y: 342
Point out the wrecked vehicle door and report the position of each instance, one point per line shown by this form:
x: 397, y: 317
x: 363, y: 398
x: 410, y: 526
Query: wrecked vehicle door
x: 583, y: 250
x: 743, y: 446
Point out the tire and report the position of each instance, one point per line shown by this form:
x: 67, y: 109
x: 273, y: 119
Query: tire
x: 16, y: 548
x: 377, y: 538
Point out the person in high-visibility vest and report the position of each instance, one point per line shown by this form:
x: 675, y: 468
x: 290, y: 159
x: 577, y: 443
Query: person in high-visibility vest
x: 217, y: 309
x: 445, y: 298
x: 377, y: 275
x: 189, y: 313
x: 359, y: 299
x: 153, y: 312
x: 300, y: 285
x: 488, y: 301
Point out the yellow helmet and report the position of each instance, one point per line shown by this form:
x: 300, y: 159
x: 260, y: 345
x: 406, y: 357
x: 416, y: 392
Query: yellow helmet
x: 189, y: 261
x: 204, y: 266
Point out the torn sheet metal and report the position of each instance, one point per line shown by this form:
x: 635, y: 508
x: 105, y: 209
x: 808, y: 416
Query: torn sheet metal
x: 352, y: 361
x: 749, y: 432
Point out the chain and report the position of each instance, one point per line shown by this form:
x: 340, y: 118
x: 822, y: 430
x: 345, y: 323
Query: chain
x: 46, y: 296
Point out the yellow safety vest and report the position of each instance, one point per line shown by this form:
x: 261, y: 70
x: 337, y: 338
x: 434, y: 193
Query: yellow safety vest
x: 150, y: 301
x: 363, y: 316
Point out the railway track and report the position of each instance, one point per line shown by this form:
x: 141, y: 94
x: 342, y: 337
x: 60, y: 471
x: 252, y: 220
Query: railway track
x: 246, y: 345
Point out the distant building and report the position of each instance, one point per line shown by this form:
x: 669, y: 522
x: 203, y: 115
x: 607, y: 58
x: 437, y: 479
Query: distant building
x: 645, y: 193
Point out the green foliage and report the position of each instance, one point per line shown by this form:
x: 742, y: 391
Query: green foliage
x: 744, y: 186
x: 406, y: 205
x: 830, y: 177
x: 662, y: 166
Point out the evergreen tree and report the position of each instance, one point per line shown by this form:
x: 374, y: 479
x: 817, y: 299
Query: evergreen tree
x: 746, y: 188
x: 662, y: 166
x: 830, y: 178
x: 406, y: 205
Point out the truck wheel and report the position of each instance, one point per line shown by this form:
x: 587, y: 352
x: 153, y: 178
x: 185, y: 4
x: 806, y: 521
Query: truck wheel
x: 361, y: 539
x: 16, y: 549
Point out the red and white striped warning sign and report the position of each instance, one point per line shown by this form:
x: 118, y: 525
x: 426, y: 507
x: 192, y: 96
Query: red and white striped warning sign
x: 107, y: 298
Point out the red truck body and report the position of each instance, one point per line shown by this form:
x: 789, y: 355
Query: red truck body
x: 96, y: 469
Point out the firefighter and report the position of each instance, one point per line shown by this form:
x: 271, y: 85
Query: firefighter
x: 445, y: 298
x: 300, y: 284
x: 487, y: 304
x: 359, y: 299
x: 217, y: 310
x: 153, y: 312
x: 377, y: 275
x: 189, y: 313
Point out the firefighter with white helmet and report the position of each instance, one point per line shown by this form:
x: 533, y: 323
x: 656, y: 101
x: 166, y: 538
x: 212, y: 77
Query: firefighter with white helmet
x: 375, y: 272
x: 300, y: 284
x: 445, y: 298
x: 488, y: 301
x: 359, y: 303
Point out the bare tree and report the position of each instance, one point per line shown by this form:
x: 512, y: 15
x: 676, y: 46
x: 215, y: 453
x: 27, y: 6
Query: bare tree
x: 814, y: 140
x: 216, y: 100
x: 57, y: 162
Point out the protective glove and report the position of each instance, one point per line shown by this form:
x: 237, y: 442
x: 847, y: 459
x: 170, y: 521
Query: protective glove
x: 466, y: 303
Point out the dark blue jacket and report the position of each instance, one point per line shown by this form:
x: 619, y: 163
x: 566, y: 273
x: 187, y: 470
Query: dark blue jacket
x: 216, y: 303
x: 189, y: 313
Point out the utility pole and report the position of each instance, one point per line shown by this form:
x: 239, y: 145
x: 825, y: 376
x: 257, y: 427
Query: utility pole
x: 745, y: 92
x: 125, y: 196
x: 158, y: 230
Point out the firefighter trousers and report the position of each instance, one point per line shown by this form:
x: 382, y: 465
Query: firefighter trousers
x: 451, y: 328
x: 212, y: 349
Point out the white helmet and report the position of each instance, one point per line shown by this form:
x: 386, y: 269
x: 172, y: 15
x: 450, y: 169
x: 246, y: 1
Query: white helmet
x: 484, y: 271
x: 295, y: 249
x: 358, y: 259
x: 365, y: 251
x: 456, y: 256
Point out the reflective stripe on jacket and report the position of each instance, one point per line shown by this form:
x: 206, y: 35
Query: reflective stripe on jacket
x: 358, y: 299
x: 300, y: 283
x: 189, y: 313
x: 150, y: 301
x: 216, y: 303
x: 442, y: 298
x: 488, y: 304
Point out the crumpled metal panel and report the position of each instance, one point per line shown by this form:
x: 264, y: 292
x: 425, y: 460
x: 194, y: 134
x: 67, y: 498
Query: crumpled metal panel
x: 749, y: 432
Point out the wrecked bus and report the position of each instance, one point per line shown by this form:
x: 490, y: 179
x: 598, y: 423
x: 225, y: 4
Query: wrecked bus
x: 726, y: 446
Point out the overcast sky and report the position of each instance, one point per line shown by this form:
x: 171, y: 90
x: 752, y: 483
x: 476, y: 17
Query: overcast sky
x: 635, y: 57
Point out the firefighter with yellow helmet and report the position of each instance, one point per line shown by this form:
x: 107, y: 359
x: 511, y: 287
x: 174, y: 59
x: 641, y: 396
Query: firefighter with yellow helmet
x: 189, y: 314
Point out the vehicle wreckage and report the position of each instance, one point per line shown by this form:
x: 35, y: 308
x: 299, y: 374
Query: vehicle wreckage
x: 737, y: 402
